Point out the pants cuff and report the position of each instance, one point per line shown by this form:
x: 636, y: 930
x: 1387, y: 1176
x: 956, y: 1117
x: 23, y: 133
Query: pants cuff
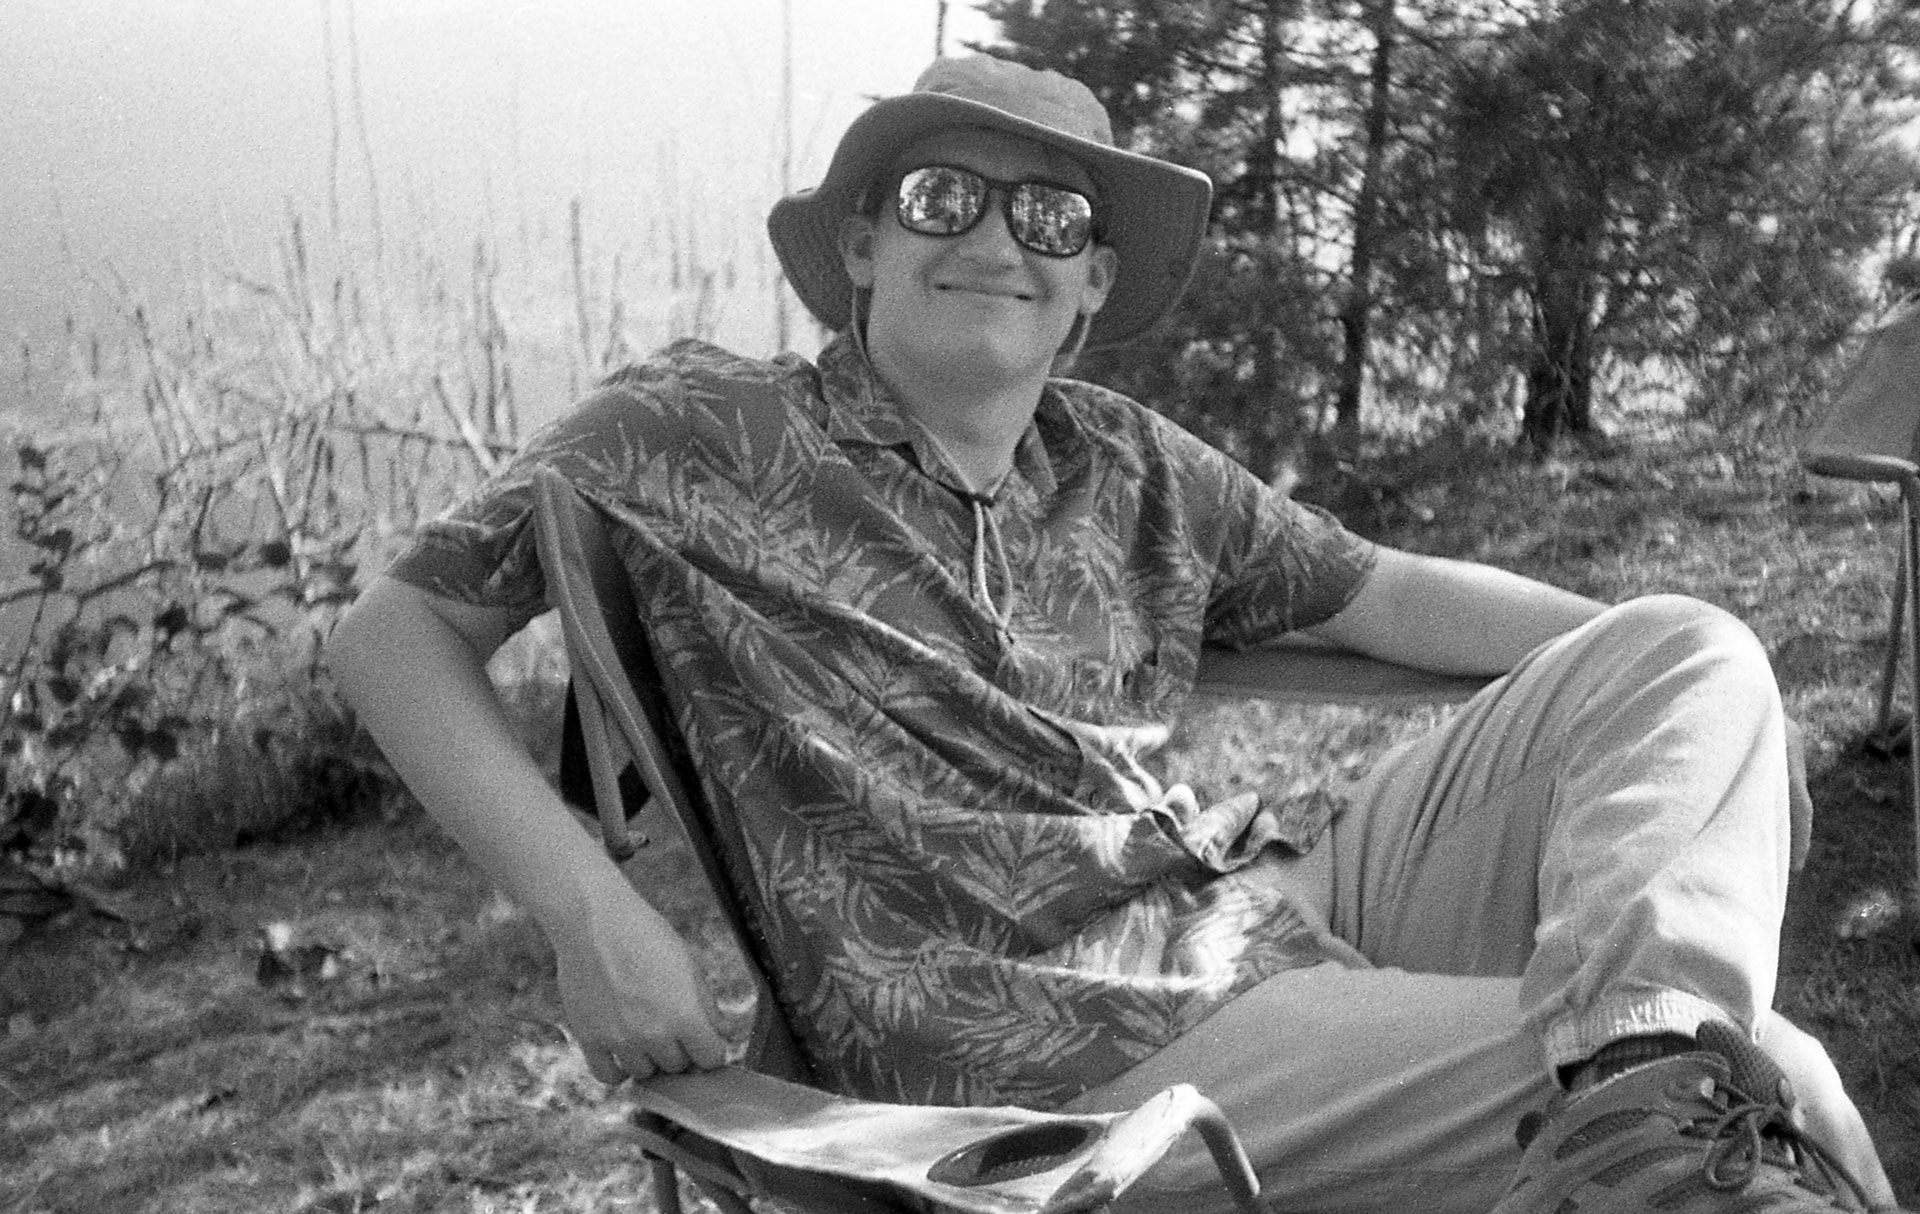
x: 1576, y: 1038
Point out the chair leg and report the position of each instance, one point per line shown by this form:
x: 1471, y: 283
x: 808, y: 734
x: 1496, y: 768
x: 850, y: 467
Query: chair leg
x: 1896, y: 641
x: 666, y: 1185
x: 1910, y: 500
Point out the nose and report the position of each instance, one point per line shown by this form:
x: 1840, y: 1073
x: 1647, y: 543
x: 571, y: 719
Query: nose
x: 992, y: 237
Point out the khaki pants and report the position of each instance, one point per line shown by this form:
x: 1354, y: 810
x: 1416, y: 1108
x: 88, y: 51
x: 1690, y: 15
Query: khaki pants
x: 1592, y: 848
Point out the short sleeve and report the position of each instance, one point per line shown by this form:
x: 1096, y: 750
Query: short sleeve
x: 483, y: 550
x: 1285, y: 566
x: 692, y: 411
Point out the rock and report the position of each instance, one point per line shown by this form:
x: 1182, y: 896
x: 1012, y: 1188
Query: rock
x: 287, y: 962
x: 1872, y: 913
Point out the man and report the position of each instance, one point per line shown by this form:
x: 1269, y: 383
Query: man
x: 923, y: 612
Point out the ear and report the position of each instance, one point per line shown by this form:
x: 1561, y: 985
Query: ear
x: 856, y: 250
x: 1103, y: 267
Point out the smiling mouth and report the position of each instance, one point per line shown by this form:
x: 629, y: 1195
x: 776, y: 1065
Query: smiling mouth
x: 990, y: 292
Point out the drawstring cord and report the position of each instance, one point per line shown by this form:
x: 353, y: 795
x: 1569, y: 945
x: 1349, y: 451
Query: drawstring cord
x: 986, y: 533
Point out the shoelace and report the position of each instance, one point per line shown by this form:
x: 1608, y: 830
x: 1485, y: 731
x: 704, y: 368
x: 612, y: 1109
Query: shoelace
x: 1739, y: 1146
x: 1758, y: 1098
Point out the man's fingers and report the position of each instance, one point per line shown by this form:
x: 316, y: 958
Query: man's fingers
x: 602, y: 1064
x: 612, y: 1063
x: 706, y: 1051
x: 669, y: 1057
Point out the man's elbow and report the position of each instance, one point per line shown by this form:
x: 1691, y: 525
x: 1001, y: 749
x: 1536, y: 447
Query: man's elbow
x: 348, y: 648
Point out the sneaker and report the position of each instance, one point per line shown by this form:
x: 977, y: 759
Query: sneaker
x: 1698, y: 1132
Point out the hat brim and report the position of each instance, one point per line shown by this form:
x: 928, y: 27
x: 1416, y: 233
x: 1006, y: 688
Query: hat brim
x: 1153, y: 212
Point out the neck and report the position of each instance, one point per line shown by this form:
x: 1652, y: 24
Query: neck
x: 977, y: 425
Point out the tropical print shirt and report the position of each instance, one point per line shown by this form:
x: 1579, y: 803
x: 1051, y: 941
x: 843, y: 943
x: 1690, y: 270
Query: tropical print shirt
x: 931, y: 713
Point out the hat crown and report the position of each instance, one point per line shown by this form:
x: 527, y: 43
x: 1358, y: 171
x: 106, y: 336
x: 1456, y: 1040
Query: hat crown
x: 1042, y: 97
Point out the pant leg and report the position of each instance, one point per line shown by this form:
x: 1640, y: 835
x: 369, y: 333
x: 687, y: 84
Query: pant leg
x: 1352, y: 1090
x: 1594, y: 847
x: 1382, y: 1091
x: 1610, y: 822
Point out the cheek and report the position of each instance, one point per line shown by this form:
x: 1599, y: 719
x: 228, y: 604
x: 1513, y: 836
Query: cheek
x: 1074, y: 291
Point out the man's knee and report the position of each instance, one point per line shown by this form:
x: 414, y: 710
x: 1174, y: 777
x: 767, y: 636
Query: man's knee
x: 1677, y: 626
x: 1666, y: 614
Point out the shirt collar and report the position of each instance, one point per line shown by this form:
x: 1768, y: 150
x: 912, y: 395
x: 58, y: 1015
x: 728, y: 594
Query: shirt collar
x: 860, y: 410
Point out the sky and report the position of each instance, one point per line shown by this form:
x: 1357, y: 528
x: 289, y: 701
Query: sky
x: 147, y: 143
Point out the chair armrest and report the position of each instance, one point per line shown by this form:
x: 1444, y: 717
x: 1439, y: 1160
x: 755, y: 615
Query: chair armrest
x: 1001, y: 1160
x: 1855, y: 466
x: 1300, y: 669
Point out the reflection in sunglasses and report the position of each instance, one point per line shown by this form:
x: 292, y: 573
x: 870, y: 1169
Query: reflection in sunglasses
x: 946, y: 200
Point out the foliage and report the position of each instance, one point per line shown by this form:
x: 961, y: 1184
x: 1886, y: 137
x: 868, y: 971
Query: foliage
x: 1671, y: 182
x: 194, y: 506
x: 196, y: 524
x: 1518, y: 212
x: 144, y: 649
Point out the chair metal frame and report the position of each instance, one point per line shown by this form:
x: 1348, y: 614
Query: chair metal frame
x: 762, y: 1131
x: 1872, y: 434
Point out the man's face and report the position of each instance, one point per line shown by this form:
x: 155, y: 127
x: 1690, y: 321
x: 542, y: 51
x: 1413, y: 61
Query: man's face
x: 977, y: 307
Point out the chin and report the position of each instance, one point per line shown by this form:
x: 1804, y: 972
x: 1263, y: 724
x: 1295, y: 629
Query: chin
x: 964, y: 346
x: 1009, y: 348
x: 1022, y: 359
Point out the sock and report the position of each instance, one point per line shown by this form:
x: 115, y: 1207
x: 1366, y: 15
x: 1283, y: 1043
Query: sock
x: 1623, y: 1055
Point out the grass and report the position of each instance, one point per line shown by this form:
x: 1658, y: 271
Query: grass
x: 148, y: 1068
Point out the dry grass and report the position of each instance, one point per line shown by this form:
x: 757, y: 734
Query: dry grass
x: 423, y: 1069
x: 154, y: 1072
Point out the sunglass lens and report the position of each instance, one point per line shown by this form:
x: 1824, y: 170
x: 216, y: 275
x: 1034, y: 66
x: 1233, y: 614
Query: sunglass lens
x: 1050, y: 220
x: 940, y: 201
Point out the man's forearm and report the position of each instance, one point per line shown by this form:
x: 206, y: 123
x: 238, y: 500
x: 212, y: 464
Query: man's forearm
x: 634, y: 996
x: 421, y: 689
x: 1455, y: 617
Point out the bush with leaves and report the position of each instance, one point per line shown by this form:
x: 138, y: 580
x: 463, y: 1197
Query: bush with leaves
x: 135, y: 655
x: 192, y: 523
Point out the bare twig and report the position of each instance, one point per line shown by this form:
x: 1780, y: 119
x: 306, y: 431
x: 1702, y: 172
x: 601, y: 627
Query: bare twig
x: 366, y: 144
x: 118, y: 581
x: 576, y: 241
x: 415, y: 434
x: 476, y: 443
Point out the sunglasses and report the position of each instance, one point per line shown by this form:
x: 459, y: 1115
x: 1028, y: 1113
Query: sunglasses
x: 946, y: 200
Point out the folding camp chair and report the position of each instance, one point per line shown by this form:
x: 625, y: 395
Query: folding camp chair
x: 759, y: 1130
x: 1872, y: 433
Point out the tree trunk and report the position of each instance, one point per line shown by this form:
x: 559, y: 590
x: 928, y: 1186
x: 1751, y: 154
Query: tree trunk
x: 1560, y: 372
x: 1357, y: 314
x: 1264, y: 164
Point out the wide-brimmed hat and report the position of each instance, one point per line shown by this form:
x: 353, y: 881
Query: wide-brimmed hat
x: 1153, y: 212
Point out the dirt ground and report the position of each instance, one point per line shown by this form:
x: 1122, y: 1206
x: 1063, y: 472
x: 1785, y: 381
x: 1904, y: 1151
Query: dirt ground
x: 399, y: 1050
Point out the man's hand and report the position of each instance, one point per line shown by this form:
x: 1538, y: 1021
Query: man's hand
x: 634, y: 996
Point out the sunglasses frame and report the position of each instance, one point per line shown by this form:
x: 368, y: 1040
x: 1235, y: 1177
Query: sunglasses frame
x: 1005, y: 189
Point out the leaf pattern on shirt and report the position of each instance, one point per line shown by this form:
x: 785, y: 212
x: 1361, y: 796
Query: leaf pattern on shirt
x: 977, y: 889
